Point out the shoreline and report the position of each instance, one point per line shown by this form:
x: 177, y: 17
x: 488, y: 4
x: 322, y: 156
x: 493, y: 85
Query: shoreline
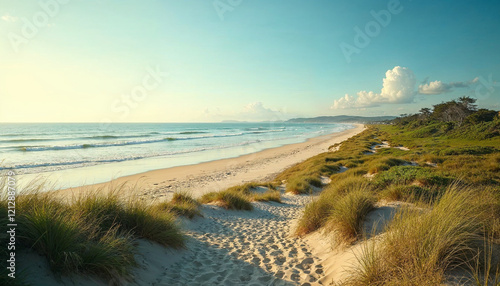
x: 220, y: 174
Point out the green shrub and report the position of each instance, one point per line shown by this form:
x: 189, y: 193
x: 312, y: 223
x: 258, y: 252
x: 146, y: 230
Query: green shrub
x: 405, y: 175
x: 469, y: 150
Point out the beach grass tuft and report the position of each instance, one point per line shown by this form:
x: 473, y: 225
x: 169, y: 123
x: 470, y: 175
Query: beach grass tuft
x: 269, y: 195
x: 228, y: 199
x: 181, y: 204
x: 240, y: 197
x: 348, y: 215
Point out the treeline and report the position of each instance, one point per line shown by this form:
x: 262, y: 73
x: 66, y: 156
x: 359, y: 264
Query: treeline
x: 455, y: 118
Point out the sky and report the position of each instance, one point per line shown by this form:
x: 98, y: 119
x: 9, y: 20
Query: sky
x: 206, y: 61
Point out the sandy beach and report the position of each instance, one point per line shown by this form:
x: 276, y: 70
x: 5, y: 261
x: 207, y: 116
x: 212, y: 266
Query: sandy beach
x: 220, y: 174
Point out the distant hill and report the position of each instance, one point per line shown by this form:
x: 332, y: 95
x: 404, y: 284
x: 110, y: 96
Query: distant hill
x: 342, y: 119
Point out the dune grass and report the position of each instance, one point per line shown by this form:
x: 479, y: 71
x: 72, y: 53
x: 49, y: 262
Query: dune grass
x: 139, y: 218
x: 301, y: 177
x: 320, y: 210
x: 181, y: 204
x: 485, y: 269
x: 90, y: 234
x: 420, y: 246
x: 348, y: 214
x: 267, y: 196
x: 71, y: 239
x: 298, y: 186
x: 315, y: 216
x: 228, y: 199
x: 240, y: 197
x: 411, y: 193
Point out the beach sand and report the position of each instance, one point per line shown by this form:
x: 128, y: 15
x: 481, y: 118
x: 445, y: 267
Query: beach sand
x: 226, y: 247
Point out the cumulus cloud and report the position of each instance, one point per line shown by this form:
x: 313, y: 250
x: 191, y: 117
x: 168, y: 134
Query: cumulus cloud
x: 8, y: 18
x: 398, y: 87
x: 439, y: 87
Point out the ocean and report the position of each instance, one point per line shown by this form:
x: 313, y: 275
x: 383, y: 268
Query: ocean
x: 82, y: 153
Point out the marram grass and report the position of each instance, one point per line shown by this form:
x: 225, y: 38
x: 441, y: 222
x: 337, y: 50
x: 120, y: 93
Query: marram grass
x: 90, y: 234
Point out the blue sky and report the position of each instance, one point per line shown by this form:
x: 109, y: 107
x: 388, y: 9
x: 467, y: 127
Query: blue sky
x: 185, y: 61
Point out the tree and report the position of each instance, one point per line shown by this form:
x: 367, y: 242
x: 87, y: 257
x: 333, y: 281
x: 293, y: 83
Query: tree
x: 453, y: 111
x: 468, y: 103
x: 425, y: 112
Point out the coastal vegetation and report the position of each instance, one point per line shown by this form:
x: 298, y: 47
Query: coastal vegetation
x: 442, y: 167
x: 90, y: 234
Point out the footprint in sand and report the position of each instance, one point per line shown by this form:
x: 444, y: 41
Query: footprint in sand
x: 246, y: 248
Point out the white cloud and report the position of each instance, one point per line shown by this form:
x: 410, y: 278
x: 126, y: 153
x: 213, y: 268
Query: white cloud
x: 398, y: 87
x: 8, y: 18
x: 439, y: 87
x: 255, y: 111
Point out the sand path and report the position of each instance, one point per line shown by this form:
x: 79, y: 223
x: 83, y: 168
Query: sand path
x: 246, y: 248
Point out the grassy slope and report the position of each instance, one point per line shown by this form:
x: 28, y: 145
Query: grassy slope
x: 461, y: 192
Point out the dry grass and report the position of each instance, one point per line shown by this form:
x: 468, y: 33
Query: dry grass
x: 91, y: 234
x: 228, y: 199
x: 420, y: 246
x: 348, y: 215
x: 269, y: 195
x: 318, y: 212
x: 182, y: 204
x: 240, y: 197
